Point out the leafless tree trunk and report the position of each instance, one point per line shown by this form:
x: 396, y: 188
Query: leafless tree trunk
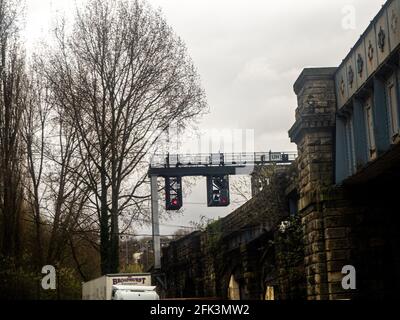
x: 55, y: 191
x: 35, y: 120
x: 12, y: 79
x: 122, y: 77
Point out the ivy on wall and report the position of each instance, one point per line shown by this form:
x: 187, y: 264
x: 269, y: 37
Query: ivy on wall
x: 289, y: 253
x: 214, y: 236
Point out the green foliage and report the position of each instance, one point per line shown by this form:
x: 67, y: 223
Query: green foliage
x: 132, y: 268
x: 290, y: 244
x: 23, y: 282
x: 289, y: 253
x: 214, y: 236
x: 17, y: 282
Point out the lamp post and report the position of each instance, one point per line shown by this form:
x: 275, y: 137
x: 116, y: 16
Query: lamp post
x: 127, y: 255
x: 125, y: 238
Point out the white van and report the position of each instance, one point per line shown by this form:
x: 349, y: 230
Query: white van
x: 121, y: 292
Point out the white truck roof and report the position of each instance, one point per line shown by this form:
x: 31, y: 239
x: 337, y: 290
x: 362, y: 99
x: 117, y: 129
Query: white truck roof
x: 101, y: 288
x: 134, y: 288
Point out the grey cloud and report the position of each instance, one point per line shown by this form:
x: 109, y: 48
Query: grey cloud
x: 250, y: 52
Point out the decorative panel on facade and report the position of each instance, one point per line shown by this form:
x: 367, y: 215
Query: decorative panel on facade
x: 376, y: 44
x: 371, y: 51
x: 351, y: 75
x: 393, y: 14
x: 341, y: 86
x: 382, y: 37
x: 360, y: 64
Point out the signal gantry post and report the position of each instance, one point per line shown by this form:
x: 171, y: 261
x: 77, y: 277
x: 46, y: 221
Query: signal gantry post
x: 216, y: 167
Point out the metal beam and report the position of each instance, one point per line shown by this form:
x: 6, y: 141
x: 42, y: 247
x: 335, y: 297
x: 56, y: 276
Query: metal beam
x: 215, y: 164
x: 195, y: 171
x: 156, y: 223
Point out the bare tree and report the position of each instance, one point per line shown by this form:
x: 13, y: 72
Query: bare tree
x: 241, y: 188
x: 67, y: 194
x: 12, y: 79
x: 122, y: 77
x: 35, y: 115
x: 55, y: 188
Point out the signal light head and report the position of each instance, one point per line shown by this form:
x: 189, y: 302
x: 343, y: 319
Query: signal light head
x: 173, y: 193
x: 218, y: 191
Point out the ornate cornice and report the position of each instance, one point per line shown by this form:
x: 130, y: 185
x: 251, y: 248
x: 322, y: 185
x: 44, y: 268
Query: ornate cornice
x: 310, y: 122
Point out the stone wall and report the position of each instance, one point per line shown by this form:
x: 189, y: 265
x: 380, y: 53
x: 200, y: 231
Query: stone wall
x: 348, y: 224
x: 246, y: 244
x: 355, y: 223
x: 326, y: 236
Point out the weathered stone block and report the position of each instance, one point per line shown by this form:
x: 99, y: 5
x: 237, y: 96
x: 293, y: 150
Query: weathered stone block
x: 336, y: 288
x: 341, y: 296
x: 322, y: 290
x: 317, y: 279
x: 315, y: 236
x: 314, y: 225
x: 316, y: 268
x: 339, y: 221
x: 335, y: 255
x: 335, y: 233
x: 317, y: 247
x: 315, y: 258
x: 335, y: 266
x: 337, y: 244
x: 335, y: 277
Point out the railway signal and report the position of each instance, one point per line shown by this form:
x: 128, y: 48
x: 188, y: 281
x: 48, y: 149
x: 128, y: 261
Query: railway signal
x: 218, y: 191
x: 173, y: 193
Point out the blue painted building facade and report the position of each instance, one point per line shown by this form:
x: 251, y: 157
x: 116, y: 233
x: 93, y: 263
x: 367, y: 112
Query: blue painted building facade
x: 368, y: 96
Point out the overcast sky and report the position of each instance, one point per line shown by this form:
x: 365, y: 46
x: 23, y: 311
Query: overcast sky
x: 248, y: 54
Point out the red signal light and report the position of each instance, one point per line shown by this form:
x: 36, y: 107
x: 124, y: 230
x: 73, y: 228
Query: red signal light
x: 174, y: 202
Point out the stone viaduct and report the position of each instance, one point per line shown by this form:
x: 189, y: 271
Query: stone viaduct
x: 335, y: 206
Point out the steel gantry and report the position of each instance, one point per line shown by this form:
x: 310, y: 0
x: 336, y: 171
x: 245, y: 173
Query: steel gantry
x: 217, y: 167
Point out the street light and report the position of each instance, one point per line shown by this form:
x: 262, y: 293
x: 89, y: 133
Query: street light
x: 125, y: 238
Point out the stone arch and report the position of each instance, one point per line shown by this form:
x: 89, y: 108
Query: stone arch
x: 233, y: 283
x: 232, y: 266
x: 269, y: 275
x: 234, y: 289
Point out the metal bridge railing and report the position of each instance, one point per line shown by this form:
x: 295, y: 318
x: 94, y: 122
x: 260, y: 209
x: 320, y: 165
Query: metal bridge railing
x: 221, y: 159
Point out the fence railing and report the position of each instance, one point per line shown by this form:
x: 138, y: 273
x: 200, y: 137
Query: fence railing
x: 221, y: 159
